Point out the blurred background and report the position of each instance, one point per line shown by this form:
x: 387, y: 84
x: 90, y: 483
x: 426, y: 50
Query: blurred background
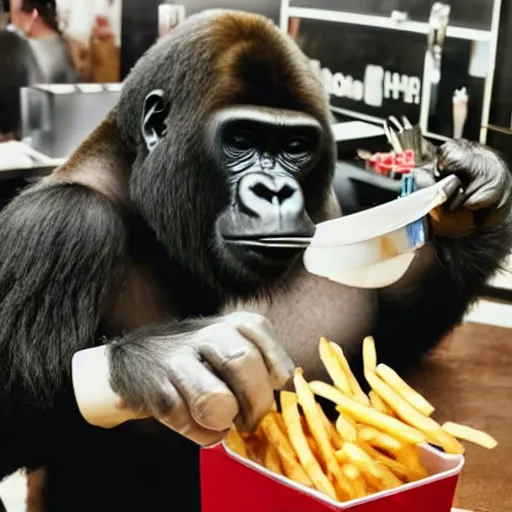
x: 363, y: 45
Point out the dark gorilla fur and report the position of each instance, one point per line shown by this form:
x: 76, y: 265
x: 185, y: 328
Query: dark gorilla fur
x: 118, y: 239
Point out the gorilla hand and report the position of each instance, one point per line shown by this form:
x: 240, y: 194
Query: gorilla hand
x: 485, y: 197
x: 204, y: 376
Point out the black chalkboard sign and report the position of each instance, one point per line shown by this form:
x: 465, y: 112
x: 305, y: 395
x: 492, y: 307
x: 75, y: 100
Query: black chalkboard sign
x: 373, y: 67
x: 372, y: 71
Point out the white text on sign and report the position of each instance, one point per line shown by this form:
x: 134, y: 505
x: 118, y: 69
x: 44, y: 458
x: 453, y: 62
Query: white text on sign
x: 377, y: 85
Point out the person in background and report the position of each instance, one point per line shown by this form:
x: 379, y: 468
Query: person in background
x: 37, y: 21
x: 33, y: 51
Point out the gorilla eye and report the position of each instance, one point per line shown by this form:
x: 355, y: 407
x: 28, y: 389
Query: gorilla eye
x: 297, y: 145
x: 241, y: 140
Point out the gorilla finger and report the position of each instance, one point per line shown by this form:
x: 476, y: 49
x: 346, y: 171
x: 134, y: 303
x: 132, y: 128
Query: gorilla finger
x: 451, y: 186
x: 211, y: 403
x: 482, y: 197
x: 505, y: 200
x: 261, y: 332
x: 240, y: 364
x: 454, y: 156
x: 456, y: 201
x: 180, y: 420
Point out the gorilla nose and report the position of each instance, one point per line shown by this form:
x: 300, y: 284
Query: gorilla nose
x: 267, y: 196
x: 276, y: 194
x: 271, y: 205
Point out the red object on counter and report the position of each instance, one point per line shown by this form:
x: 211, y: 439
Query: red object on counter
x: 230, y: 483
x: 391, y: 164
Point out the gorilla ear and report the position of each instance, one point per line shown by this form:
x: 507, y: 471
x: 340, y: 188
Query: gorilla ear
x: 153, y: 119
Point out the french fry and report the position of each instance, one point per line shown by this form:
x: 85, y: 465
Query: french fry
x: 403, y: 471
x: 357, y: 392
x: 256, y: 446
x: 369, y: 354
x: 379, y: 439
x: 334, y: 436
x: 355, y: 477
x: 279, y: 419
x: 447, y: 442
x: 347, y: 428
x: 378, y: 404
x: 470, y: 434
x: 309, y: 406
x: 333, y: 367
x: 351, y: 471
x: 235, y: 443
x: 291, y: 417
x: 409, y: 456
x: 373, y: 444
x: 403, y: 409
x: 313, y: 446
x: 378, y: 475
x: 271, y: 460
x: 411, y: 416
x: 340, y: 457
x: 367, y: 415
x: 410, y: 395
x: 289, y: 462
x: 304, y: 425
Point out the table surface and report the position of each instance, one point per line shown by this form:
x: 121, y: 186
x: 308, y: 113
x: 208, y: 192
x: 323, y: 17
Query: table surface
x: 469, y: 379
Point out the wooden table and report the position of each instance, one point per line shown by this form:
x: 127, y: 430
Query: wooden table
x: 469, y: 379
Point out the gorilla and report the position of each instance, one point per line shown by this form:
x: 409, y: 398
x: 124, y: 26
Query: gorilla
x: 131, y: 272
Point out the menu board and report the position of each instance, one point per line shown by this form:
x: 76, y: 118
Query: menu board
x: 373, y: 66
x: 371, y: 71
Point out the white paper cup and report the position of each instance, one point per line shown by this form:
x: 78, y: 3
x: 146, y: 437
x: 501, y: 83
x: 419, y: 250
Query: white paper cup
x: 374, y: 248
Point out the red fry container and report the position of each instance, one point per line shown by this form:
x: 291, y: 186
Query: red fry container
x: 230, y: 483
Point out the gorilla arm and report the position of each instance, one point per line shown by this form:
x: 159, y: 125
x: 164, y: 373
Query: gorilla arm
x: 53, y: 283
x: 469, y: 246
x: 63, y: 252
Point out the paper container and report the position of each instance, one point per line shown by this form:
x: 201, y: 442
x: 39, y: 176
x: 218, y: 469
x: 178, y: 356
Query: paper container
x: 374, y: 263
x: 376, y: 247
x: 230, y: 483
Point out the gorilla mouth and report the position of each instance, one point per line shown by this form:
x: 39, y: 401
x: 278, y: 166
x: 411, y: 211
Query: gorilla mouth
x: 271, y: 242
x: 270, y: 250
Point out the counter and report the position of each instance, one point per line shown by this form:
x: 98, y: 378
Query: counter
x: 19, y: 161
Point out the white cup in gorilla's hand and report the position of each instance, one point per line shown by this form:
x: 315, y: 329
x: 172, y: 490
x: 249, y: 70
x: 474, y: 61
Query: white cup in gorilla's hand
x: 197, y: 382
x: 375, y: 248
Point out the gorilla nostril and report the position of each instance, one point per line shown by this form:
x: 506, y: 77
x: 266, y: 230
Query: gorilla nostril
x: 264, y: 192
x: 261, y: 190
x: 285, y: 193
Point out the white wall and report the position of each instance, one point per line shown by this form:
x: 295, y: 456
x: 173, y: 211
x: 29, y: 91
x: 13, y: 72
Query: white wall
x: 80, y: 14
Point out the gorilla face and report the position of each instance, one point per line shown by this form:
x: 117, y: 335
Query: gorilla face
x: 233, y: 145
x: 265, y: 154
